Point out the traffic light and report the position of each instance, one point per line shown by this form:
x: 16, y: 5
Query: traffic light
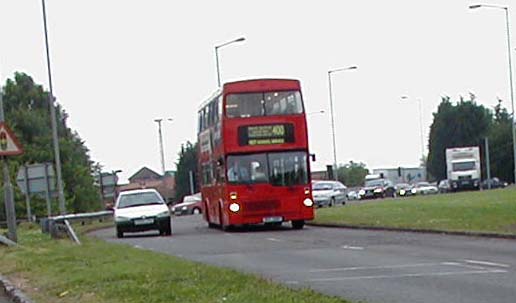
x: 329, y: 172
x: 399, y: 171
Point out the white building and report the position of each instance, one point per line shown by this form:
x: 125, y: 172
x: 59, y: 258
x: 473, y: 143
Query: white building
x: 402, y: 174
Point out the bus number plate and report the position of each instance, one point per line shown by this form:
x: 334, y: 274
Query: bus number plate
x: 272, y: 219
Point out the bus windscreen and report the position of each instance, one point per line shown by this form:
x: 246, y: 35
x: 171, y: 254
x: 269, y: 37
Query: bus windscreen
x: 246, y: 105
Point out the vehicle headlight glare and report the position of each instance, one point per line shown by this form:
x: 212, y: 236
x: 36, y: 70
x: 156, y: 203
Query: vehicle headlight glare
x: 413, y: 191
x: 234, y: 207
x: 308, y: 202
x: 378, y: 190
x: 164, y: 214
x: 361, y: 192
x: 121, y: 219
x: 402, y: 192
x: 184, y: 208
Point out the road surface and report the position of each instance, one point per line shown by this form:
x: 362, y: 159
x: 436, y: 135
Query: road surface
x: 374, y: 266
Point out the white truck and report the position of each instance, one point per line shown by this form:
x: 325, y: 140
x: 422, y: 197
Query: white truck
x: 463, y: 167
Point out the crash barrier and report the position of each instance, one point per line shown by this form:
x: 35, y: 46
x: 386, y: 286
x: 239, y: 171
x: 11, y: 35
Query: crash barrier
x: 60, y: 226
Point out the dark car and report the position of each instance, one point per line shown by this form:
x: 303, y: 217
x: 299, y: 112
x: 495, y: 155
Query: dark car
x: 191, y: 205
x: 404, y: 190
x: 494, y: 182
x: 377, y: 188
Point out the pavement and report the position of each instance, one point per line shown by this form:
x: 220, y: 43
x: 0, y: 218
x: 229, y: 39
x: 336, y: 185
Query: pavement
x: 3, y: 298
x: 361, y: 265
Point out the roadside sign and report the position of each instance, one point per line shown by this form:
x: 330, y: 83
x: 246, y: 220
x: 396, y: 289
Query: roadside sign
x: 9, y: 145
x: 39, y: 176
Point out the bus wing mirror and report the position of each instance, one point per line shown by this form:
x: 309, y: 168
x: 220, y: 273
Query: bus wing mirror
x: 313, y: 157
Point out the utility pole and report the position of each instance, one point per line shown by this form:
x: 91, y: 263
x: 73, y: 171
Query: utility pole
x: 55, y: 138
x: 488, y: 165
x: 8, y: 188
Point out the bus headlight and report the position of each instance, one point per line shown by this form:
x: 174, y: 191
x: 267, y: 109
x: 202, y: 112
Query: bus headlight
x: 308, y: 202
x: 234, y: 207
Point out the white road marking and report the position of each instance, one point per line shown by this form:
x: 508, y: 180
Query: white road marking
x: 352, y: 247
x: 487, y: 263
x: 448, y: 273
x: 274, y: 240
x: 375, y: 267
x: 292, y: 282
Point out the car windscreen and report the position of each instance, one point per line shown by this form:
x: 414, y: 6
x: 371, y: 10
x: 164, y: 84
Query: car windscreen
x: 374, y: 183
x: 138, y: 199
x: 277, y: 168
x: 463, y: 166
x: 322, y: 186
x: 246, y: 105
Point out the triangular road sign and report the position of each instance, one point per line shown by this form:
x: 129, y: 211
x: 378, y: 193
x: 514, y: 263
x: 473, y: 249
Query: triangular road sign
x: 9, y: 145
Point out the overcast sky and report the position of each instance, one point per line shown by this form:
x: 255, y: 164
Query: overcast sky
x: 118, y: 65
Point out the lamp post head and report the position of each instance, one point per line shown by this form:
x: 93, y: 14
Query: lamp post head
x: 158, y: 120
x: 475, y: 6
x: 240, y: 39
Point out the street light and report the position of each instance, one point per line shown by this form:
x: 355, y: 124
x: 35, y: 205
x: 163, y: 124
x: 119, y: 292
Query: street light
x: 330, y: 72
x: 55, y: 139
x: 420, y: 126
x: 241, y: 39
x: 510, y: 72
x: 160, y: 135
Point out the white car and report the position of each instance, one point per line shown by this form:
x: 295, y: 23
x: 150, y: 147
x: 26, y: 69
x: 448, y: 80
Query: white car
x: 141, y: 210
x: 425, y: 188
x: 328, y: 193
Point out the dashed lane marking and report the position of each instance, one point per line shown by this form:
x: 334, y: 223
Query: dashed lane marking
x: 487, y: 263
x: 352, y: 247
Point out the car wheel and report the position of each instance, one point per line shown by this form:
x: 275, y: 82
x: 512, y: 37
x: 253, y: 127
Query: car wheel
x: 119, y: 233
x: 196, y: 211
x: 298, y: 224
x: 167, y: 231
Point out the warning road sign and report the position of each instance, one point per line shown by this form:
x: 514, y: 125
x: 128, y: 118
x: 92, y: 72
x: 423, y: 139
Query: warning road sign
x: 9, y: 145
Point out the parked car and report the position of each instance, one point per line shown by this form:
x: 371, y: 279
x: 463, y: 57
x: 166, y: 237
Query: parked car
x: 377, y: 188
x: 495, y: 183
x: 353, y: 195
x: 141, y: 210
x: 404, y: 189
x: 191, y: 205
x: 328, y: 193
x: 425, y: 188
x: 444, y: 186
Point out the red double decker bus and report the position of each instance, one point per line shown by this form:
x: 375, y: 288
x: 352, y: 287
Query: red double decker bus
x: 253, y: 155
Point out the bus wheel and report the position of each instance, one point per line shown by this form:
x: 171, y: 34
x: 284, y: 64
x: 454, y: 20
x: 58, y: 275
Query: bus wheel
x: 298, y: 224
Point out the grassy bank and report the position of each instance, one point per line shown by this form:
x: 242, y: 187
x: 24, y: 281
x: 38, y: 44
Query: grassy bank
x: 59, y: 271
x: 491, y: 211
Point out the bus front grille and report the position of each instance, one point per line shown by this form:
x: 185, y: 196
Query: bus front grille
x: 259, y: 206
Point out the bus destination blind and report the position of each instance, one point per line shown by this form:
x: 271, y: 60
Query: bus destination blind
x: 266, y: 134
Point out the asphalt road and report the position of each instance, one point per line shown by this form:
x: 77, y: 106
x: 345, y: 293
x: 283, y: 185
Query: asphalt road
x: 374, y: 266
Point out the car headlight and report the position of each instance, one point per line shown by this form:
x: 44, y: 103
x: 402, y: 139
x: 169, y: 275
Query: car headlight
x: 308, y: 202
x: 184, y: 208
x: 361, y: 192
x: 164, y: 214
x: 413, y: 190
x: 402, y: 192
x: 121, y: 219
x: 378, y: 190
x: 234, y: 207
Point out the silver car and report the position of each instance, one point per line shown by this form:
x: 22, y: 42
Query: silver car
x: 328, y: 193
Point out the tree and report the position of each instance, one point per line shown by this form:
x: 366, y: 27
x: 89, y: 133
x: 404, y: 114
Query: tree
x: 352, y: 174
x: 26, y: 109
x: 456, y: 125
x: 187, y: 163
x: 500, y: 145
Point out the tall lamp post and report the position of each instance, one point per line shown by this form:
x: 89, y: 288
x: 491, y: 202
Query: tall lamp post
x: 330, y: 72
x: 217, y: 55
x: 55, y: 139
x: 420, y: 127
x: 160, y: 135
x: 510, y: 71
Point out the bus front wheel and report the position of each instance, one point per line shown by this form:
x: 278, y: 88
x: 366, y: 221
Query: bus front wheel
x: 298, y: 224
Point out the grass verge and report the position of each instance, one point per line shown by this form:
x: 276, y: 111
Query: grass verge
x: 492, y: 211
x: 59, y: 271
